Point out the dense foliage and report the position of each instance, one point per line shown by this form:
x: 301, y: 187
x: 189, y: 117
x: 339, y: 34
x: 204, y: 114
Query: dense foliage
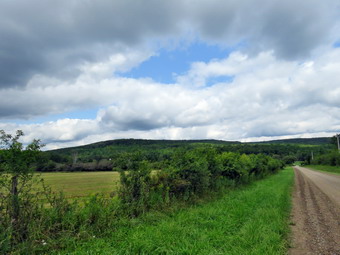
x: 189, y: 175
x: 122, y: 154
x: 304, y: 141
x: 330, y: 157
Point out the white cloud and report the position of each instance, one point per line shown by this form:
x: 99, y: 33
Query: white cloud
x: 54, y: 39
x: 268, y: 97
x: 119, y: 62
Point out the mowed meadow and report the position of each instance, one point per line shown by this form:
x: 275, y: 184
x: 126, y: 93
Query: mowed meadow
x: 82, y: 184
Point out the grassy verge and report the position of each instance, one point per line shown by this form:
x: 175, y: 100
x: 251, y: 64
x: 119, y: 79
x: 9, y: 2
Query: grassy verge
x: 330, y: 169
x: 248, y: 220
x: 81, y: 184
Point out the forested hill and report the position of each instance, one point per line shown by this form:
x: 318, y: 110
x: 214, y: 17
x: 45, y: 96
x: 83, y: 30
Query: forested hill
x: 145, y: 142
x: 114, y: 154
x: 302, y: 141
x: 176, y: 143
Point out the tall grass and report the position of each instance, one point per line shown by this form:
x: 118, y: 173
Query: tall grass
x: 252, y: 219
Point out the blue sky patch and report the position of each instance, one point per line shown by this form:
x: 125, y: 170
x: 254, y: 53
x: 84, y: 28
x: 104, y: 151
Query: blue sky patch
x: 336, y: 45
x: 163, y: 66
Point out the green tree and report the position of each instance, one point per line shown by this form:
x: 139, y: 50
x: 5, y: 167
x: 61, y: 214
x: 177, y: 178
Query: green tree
x: 334, y: 140
x: 16, y: 175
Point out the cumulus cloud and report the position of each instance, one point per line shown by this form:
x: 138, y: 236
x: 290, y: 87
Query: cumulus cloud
x: 55, y: 39
x: 61, y: 56
x: 267, y: 97
x: 291, y: 28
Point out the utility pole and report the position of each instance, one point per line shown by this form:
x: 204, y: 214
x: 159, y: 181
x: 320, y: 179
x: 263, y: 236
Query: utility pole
x: 337, y: 138
x: 312, y: 155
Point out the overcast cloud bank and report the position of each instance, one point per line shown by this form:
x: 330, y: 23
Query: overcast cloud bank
x: 282, y: 79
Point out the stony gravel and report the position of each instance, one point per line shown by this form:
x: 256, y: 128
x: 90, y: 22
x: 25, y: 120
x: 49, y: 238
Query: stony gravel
x: 316, y: 213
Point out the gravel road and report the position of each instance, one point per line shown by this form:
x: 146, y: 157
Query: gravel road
x: 316, y: 213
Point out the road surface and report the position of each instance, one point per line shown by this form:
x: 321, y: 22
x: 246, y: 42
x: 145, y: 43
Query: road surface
x: 316, y: 213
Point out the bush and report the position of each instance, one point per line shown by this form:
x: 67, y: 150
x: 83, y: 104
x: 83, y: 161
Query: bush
x: 193, y: 170
x: 330, y: 159
x: 191, y: 174
x: 232, y: 167
x: 135, y: 189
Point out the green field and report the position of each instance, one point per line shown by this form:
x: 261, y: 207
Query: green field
x: 330, y: 169
x: 82, y: 184
x: 249, y: 220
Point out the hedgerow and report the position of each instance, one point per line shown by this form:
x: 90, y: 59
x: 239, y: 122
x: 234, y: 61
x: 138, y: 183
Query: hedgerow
x: 191, y: 174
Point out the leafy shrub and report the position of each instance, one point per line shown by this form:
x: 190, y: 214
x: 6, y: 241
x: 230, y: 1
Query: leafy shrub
x: 191, y: 174
x: 331, y: 159
x: 135, y: 189
x: 192, y: 169
x: 232, y: 166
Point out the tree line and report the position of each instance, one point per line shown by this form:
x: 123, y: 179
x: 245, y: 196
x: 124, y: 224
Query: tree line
x: 330, y: 157
x: 120, y: 154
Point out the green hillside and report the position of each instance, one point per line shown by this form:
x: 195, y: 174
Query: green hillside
x: 145, y: 143
x: 114, y: 154
x: 302, y: 141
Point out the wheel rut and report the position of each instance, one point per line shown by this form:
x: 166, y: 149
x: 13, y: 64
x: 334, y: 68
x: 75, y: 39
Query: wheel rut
x: 315, y: 215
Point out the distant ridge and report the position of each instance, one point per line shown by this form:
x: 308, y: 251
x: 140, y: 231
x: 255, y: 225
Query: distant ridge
x: 306, y: 141
x: 175, y: 143
x: 145, y: 142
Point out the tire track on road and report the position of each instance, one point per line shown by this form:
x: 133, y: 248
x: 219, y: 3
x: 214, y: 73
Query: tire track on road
x: 315, y: 218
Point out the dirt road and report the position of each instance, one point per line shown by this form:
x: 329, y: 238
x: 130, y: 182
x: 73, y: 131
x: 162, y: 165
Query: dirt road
x: 316, y: 213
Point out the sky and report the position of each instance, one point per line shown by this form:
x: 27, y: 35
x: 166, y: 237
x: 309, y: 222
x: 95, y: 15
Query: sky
x: 74, y: 72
